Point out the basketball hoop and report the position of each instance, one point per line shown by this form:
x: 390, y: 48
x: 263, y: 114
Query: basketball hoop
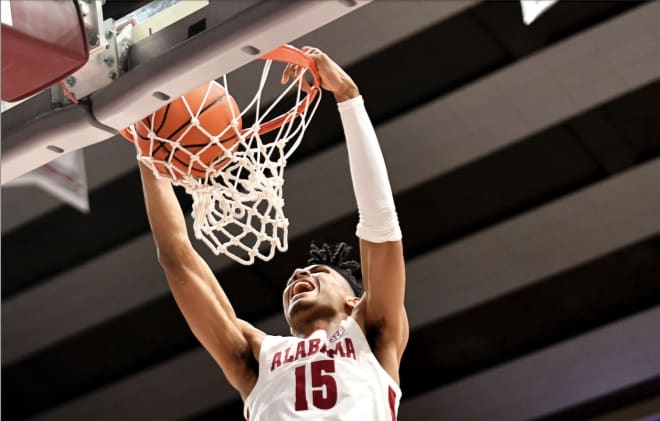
x: 236, y: 178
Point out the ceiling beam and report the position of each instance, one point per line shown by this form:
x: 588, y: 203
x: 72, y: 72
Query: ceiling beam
x: 646, y: 410
x: 562, y: 234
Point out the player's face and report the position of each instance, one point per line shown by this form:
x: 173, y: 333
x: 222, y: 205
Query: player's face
x: 313, y: 287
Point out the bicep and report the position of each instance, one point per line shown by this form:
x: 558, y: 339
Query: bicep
x: 384, y: 277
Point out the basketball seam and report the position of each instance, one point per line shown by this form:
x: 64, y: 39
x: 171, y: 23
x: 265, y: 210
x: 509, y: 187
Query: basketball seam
x: 200, y: 113
x: 172, y: 153
x: 190, y: 164
x: 162, y: 121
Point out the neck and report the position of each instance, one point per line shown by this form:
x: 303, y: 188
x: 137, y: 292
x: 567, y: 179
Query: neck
x: 307, y: 327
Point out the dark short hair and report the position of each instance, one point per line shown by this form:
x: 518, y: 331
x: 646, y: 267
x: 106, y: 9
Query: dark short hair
x: 336, y: 257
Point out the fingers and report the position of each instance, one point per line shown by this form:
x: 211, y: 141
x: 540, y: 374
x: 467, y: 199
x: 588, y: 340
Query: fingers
x: 289, y: 71
x: 285, y: 75
x: 292, y: 71
x: 312, y: 50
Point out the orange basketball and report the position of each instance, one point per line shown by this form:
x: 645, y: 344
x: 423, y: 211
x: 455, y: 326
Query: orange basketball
x: 193, y: 153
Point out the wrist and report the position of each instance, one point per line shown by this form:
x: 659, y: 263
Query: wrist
x: 350, y: 91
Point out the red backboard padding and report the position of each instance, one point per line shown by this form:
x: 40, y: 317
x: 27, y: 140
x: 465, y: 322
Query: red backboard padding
x: 44, y: 43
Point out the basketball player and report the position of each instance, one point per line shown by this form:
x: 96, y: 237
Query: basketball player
x: 342, y: 360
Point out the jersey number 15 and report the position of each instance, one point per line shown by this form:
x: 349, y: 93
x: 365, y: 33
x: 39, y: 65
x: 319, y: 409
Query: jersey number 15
x: 324, y: 386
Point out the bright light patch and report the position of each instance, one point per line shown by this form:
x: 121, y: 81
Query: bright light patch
x: 5, y: 12
x: 532, y: 9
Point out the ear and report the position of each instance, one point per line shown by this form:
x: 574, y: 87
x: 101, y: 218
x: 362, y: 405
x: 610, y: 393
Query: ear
x: 293, y: 332
x: 350, y: 303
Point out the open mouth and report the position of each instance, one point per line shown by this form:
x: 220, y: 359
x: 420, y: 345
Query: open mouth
x: 301, y: 287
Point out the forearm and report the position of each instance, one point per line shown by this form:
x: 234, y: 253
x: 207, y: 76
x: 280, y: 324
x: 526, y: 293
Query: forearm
x: 198, y: 294
x: 166, y: 218
x: 181, y: 262
x: 210, y: 315
x: 378, y: 219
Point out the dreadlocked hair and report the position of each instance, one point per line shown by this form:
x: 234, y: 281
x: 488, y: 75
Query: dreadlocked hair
x: 336, y: 258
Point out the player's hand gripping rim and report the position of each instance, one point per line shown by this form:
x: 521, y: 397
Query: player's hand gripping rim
x: 333, y: 78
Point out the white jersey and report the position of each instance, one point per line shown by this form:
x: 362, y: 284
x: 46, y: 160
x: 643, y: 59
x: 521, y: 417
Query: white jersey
x: 322, y: 377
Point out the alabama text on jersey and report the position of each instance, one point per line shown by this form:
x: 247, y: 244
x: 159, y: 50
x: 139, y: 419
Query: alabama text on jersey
x: 322, y: 377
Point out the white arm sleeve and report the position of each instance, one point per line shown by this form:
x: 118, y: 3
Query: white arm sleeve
x: 378, y: 219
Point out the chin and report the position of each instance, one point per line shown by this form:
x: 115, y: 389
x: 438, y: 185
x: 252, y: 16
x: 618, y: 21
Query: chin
x: 301, y: 305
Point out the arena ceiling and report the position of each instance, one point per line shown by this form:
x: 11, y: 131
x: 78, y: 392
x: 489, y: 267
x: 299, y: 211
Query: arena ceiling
x: 525, y: 164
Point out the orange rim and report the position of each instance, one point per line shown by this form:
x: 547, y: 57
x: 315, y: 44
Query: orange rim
x: 285, y: 54
x: 289, y: 54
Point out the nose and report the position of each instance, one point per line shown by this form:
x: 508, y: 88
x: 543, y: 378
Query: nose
x: 301, y: 273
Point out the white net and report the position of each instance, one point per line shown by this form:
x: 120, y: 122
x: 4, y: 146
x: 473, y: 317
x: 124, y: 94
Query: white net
x: 236, y: 174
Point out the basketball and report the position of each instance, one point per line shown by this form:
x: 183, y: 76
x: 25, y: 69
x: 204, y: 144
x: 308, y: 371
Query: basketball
x: 190, y: 151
